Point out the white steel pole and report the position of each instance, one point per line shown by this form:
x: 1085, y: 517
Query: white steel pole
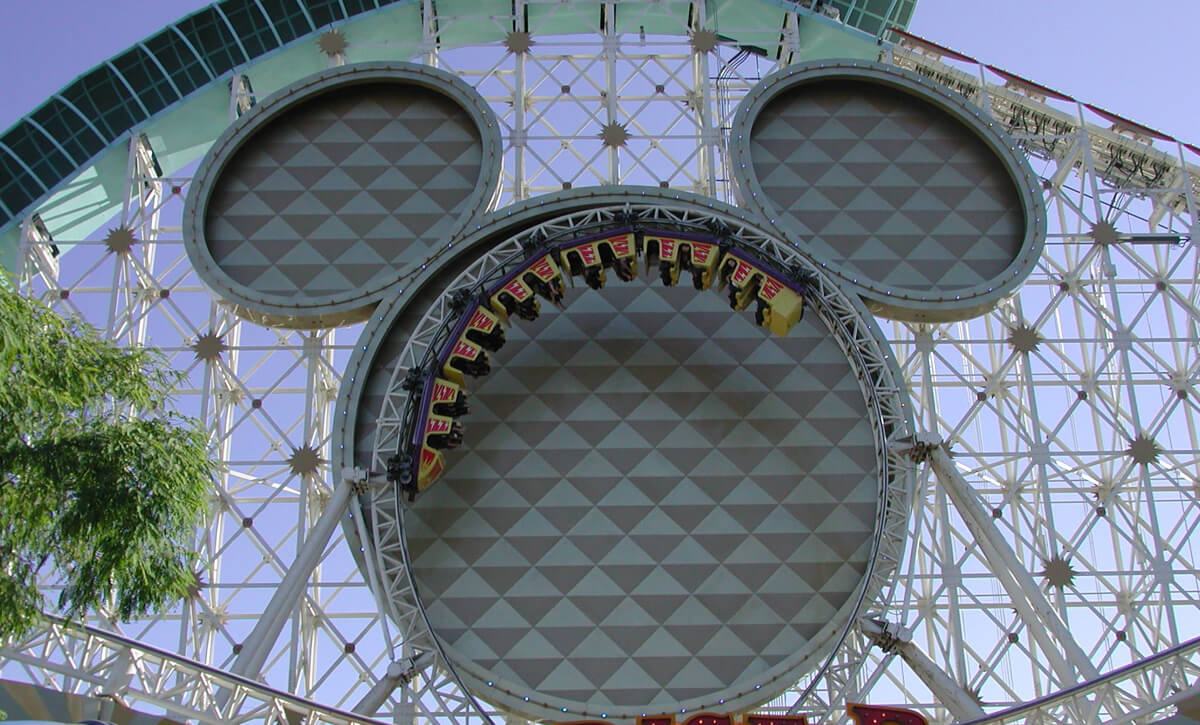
x: 706, y: 176
x: 950, y: 693
x: 398, y: 673
x: 611, y: 43
x: 258, y: 645
x: 1066, y: 657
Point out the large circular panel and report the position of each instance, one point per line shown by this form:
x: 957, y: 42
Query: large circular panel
x: 322, y: 198
x: 659, y: 505
x: 906, y: 192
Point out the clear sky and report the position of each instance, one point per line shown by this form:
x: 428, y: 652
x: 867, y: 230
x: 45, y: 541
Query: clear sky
x: 1136, y: 59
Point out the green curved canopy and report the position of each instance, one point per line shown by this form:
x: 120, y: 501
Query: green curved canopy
x: 67, y: 159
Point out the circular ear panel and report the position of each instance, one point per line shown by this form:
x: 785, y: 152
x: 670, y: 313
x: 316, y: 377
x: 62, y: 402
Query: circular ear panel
x: 319, y: 200
x: 657, y: 504
x: 905, y: 191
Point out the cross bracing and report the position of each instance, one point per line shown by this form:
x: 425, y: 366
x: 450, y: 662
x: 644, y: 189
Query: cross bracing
x: 166, y: 82
x: 1069, y: 410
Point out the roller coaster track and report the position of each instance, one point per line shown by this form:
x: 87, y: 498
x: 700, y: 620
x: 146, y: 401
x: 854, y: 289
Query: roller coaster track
x: 82, y: 659
x: 1123, y: 154
x: 89, y: 660
x: 1146, y: 691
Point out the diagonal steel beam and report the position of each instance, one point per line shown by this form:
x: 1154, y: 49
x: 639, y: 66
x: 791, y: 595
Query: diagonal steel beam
x: 1068, y: 660
x: 891, y: 638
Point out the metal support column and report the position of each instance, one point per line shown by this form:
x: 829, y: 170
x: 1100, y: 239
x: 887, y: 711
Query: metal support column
x: 429, y: 37
x: 520, y: 132
x: 611, y: 43
x: 258, y: 645
x: 892, y: 638
x: 1067, y: 658
x: 397, y: 675
x: 706, y: 173
x: 38, y: 254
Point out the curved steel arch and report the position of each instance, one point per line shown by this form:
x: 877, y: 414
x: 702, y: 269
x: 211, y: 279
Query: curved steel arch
x: 1044, y: 435
x: 847, y: 320
x: 151, y: 78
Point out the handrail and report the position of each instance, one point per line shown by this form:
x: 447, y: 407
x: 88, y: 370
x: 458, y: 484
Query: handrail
x: 206, y: 678
x: 1041, y: 704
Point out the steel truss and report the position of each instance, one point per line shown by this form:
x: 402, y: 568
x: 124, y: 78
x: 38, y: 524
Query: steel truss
x: 886, y: 407
x: 1070, y: 411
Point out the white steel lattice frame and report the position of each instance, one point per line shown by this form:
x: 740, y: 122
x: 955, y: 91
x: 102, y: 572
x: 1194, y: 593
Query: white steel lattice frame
x: 1043, y: 434
x: 887, y: 410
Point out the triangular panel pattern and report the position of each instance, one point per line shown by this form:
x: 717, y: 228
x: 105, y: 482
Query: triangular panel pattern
x: 891, y: 189
x: 343, y: 192
x: 637, y: 519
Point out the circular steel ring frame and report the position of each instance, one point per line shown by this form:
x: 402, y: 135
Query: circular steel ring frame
x: 908, y: 193
x: 359, y: 172
x: 397, y: 338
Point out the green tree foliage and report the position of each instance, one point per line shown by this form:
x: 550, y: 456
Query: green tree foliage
x: 99, y: 485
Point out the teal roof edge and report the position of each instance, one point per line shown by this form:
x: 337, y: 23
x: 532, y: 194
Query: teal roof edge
x: 100, y: 107
x: 78, y: 123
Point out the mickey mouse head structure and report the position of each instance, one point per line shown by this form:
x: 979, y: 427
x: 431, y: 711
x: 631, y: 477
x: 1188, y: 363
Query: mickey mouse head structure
x: 615, y: 497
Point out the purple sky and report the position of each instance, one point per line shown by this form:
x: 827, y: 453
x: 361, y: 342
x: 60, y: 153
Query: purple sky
x: 1133, y: 58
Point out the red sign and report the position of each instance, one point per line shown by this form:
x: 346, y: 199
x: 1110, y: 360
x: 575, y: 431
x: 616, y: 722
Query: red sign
x: 741, y: 272
x: 432, y: 466
x: 543, y: 269
x: 482, y: 321
x: 620, y: 245
x: 517, y: 289
x: 443, y: 392
x: 587, y: 252
x: 769, y: 288
x: 862, y: 715
x: 700, y: 252
x: 462, y: 348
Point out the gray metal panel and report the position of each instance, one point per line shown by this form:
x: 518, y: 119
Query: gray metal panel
x: 641, y: 407
x: 337, y: 194
x: 897, y: 187
x: 659, y: 504
x: 325, y: 196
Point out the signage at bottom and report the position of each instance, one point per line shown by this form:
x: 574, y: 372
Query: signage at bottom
x: 862, y: 715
